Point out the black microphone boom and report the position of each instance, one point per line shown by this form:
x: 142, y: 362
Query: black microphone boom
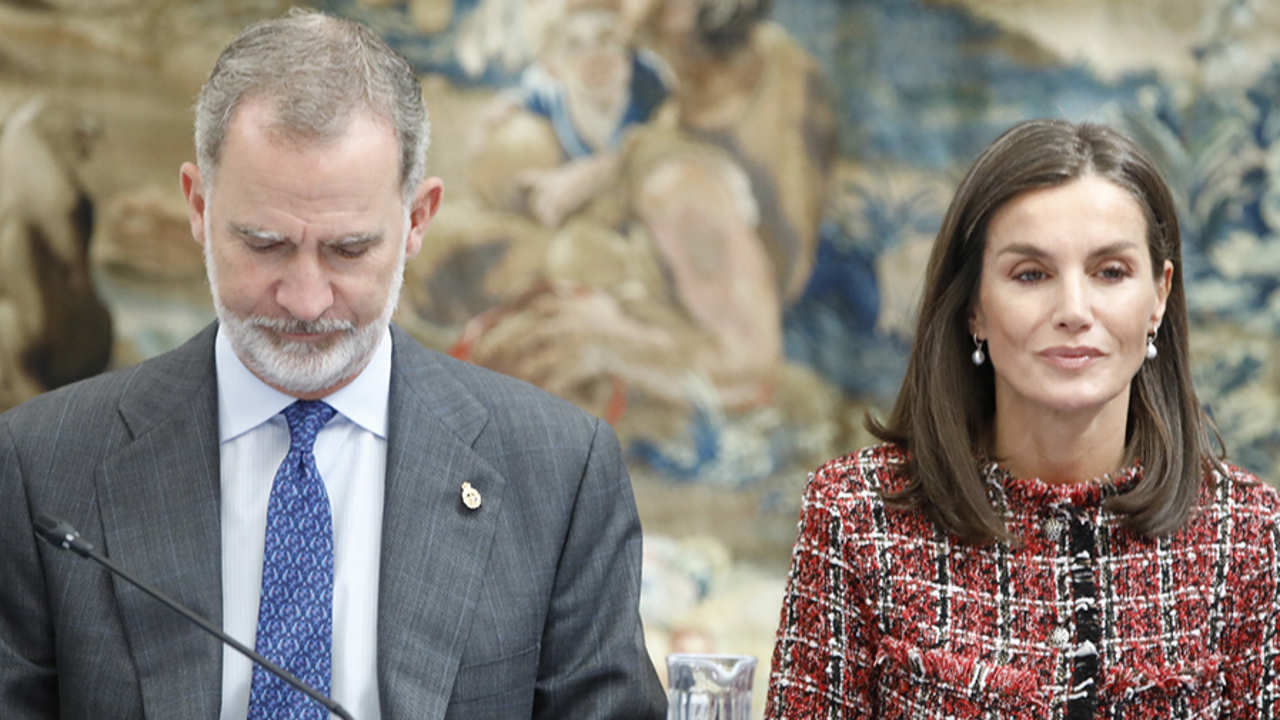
x: 61, y: 534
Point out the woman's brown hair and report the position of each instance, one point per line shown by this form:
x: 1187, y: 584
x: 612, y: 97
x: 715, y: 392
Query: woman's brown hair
x: 945, y: 409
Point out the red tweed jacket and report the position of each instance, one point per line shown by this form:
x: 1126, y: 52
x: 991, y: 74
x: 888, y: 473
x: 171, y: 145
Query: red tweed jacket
x: 885, y: 617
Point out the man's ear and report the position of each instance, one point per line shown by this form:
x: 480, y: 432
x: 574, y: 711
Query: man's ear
x: 425, y: 203
x: 194, y: 191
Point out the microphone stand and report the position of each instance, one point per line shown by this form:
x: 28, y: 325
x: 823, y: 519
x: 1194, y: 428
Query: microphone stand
x: 62, y: 535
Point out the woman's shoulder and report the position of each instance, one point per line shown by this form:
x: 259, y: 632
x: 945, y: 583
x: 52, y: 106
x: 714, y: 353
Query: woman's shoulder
x: 1244, y: 495
x: 845, y: 506
x: 870, y: 473
x: 1241, y: 520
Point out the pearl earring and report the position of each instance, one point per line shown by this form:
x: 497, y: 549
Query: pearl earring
x: 978, y: 357
x: 1151, y: 345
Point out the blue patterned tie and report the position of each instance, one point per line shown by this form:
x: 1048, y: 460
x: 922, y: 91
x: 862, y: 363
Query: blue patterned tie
x: 295, y: 613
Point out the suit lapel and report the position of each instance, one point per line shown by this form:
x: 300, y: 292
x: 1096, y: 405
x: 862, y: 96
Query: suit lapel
x: 434, y: 547
x: 159, y: 504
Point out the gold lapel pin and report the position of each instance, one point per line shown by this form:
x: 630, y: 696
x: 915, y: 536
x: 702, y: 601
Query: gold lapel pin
x: 470, y: 496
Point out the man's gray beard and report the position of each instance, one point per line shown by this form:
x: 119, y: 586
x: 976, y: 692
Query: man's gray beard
x: 302, y: 368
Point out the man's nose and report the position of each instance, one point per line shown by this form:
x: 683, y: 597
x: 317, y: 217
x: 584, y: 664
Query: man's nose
x: 305, y: 291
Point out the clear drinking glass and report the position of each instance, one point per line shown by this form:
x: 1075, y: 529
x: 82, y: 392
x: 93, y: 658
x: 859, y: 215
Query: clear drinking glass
x: 709, y: 687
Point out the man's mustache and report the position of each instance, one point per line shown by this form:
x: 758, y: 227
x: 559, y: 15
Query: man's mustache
x: 302, y: 327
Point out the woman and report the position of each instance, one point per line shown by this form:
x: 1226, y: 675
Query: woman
x: 1045, y: 532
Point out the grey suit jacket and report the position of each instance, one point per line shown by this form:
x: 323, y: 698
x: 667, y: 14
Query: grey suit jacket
x: 526, y: 607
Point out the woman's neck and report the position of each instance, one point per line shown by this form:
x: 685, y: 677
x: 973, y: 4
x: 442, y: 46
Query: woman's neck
x: 1062, y: 447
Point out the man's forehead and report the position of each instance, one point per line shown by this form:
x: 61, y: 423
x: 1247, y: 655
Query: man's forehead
x: 281, y: 122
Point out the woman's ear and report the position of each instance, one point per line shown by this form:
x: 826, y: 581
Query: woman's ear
x: 1164, y: 285
x: 977, y: 322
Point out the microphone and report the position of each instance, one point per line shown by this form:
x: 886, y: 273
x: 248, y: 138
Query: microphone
x: 62, y: 535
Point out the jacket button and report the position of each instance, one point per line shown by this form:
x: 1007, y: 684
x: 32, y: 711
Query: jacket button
x: 1059, y: 637
x: 1053, y: 529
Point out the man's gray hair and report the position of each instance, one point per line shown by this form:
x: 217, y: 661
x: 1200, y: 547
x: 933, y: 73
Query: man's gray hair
x: 314, y: 71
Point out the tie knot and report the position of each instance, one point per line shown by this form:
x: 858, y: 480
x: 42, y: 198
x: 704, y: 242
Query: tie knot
x: 306, y: 417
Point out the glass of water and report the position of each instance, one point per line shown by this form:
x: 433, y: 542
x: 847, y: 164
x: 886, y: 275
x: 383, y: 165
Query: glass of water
x: 709, y: 687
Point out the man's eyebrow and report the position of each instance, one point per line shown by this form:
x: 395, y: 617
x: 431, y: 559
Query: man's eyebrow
x: 359, y: 238
x: 256, y: 233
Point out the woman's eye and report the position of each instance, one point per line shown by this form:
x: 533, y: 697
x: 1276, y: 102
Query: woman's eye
x: 1114, y: 272
x: 1029, y: 276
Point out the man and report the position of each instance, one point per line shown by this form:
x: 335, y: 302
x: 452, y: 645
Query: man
x: 438, y: 541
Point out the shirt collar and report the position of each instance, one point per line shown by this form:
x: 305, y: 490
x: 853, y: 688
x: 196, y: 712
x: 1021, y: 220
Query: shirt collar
x: 245, y: 401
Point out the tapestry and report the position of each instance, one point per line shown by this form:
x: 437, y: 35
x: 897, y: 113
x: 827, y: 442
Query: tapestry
x: 705, y: 221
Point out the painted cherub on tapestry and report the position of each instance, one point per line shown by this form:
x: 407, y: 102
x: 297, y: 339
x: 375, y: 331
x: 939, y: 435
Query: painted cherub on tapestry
x: 633, y: 243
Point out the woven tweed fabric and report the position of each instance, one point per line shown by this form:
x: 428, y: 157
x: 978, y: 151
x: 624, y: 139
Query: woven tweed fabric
x: 886, y: 617
x: 295, y: 612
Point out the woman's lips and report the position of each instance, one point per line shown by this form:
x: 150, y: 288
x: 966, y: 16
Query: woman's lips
x: 1071, y: 358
